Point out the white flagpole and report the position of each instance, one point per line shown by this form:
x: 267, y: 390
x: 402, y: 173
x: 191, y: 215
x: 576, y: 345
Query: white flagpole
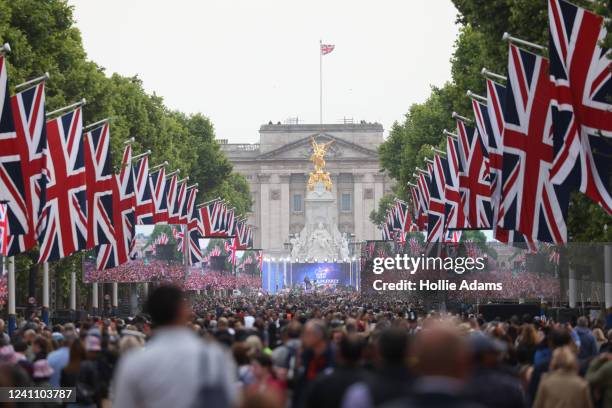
x: 321, y: 84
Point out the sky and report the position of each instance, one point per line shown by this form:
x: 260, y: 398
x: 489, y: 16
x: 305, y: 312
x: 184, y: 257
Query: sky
x: 246, y: 62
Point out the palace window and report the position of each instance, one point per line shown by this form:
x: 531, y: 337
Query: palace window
x: 346, y: 202
x: 297, y: 203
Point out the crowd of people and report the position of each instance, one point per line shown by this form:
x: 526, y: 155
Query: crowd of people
x: 216, y: 281
x: 312, y: 350
x: 137, y: 270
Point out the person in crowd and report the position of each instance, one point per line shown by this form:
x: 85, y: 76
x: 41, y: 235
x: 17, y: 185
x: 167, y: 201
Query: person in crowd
x: 558, y: 337
x: 600, y: 337
x: 588, y: 345
x: 240, y: 351
x: 329, y: 387
x: 599, y: 376
x: 562, y: 386
x: 266, y: 381
x: 4, y: 337
x: 443, y: 365
x: 607, y: 346
x: 285, y: 356
x: 42, y: 373
x: 149, y: 378
x: 490, y: 384
x: 391, y: 379
x: 58, y: 359
x: 71, y: 377
x: 526, y: 344
x: 317, y: 355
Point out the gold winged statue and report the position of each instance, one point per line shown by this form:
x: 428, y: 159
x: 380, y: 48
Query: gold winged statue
x: 318, y: 159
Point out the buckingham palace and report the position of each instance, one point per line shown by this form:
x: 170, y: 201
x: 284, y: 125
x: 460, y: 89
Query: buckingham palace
x: 277, y: 170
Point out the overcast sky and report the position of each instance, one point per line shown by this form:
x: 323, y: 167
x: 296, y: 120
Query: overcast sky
x: 245, y: 62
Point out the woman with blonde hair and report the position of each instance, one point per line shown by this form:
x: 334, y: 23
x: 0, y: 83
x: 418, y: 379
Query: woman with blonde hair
x: 600, y: 338
x: 562, y: 387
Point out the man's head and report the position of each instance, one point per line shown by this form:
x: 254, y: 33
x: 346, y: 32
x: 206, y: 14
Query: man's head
x: 583, y: 321
x: 393, y: 346
x: 167, y: 307
x: 350, y: 349
x: 441, y: 352
x: 315, y: 334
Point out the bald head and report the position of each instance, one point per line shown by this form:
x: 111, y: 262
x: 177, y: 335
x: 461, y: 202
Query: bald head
x: 441, y: 351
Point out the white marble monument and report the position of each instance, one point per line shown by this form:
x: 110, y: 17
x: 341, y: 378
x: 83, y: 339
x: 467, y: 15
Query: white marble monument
x: 320, y: 238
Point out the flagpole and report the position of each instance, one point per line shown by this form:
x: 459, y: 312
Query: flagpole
x: 320, y: 85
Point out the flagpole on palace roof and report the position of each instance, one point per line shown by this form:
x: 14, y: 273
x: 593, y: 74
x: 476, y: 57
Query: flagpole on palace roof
x: 321, y: 84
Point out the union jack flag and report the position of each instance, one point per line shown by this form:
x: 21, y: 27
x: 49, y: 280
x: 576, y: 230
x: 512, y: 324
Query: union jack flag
x: 229, y: 222
x: 124, y: 220
x: 193, y: 230
x: 209, y: 214
x: 145, y: 208
x: 453, y: 203
x: 216, y: 251
x: 476, y: 184
x: 158, y: 183
x: 436, y: 211
x: 240, y: 231
x: 3, y: 229
x: 496, y: 95
x: 327, y: 48
x: 580, y: 70
x: 185, y: 213
x: 249, y: 237
x: 531, y: 203
x: 63, y: 194
x: 416, y: 205
x: 31, y: 128
x: 386, y: 234
x: 176, y: 199
x: 99, y: 181
x: 423, y: 188
x: 12, y: 189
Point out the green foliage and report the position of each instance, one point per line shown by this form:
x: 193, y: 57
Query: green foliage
x: 43, y: 38
x: 479, y: 45
x: 386, y: 202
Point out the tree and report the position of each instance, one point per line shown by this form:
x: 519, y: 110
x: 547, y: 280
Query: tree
x: 479, y: 45
x: 44, y: 38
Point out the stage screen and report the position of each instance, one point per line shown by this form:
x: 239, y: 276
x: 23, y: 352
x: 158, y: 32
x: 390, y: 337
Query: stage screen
x: 280, y: 275
x: 320, y: 275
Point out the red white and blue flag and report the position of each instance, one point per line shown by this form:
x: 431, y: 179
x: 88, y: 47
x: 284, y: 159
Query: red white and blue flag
x: 582, y: 100
x: 99, y: 181
x: 158, y: 183
x: 531, y: 203
x: 172, y: 186
x: 209, y: 214
x: 454, y: 209
x: 31, y: 128
x: 145, y: 208
x: 327, y: 48
x: 193, y: 230
x: 63, y: 194
x: 436, y: 210
x: 124, y: 220
x: 475, y: 183
x: 12, y: 189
